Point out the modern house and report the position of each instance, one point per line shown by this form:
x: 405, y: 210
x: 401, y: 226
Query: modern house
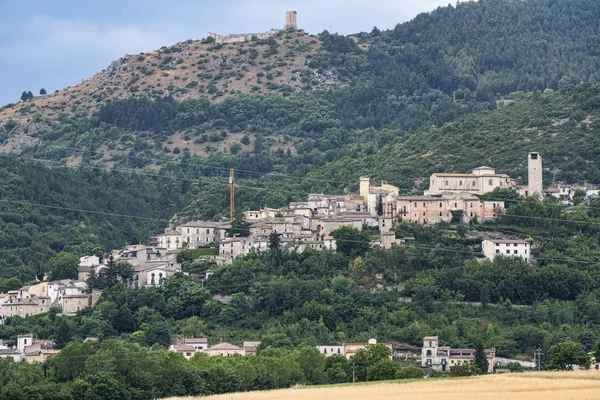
x: 493, y: 248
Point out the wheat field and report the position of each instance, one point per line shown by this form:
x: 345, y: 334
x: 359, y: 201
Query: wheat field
x: 531, y: 386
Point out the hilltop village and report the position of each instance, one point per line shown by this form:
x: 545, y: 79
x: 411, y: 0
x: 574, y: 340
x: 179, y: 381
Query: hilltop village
x: 451, y: 197
x: 310, y: 224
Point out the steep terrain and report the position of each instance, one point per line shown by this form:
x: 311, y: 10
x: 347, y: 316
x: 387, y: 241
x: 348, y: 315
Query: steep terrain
x: 317, y: 97
x: 190, y: 69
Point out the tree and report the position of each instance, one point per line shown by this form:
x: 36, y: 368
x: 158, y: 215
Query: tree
x: 275, y: 241
x: 114, y: 273
x: 351, y: 242
x: 379, y: 207
x: 515, y: 367
x: 29, y: 95
x: 382, y: 370
x: 464, y: 369
x: 410, y: 372
x: 63, y: 266
x: 245, y: 140
x: 43, y: 92
x: 481, y: 360
x: 579, y: 196
x: 565, y: 355
x: 239, y: 227
x: 63, y: 334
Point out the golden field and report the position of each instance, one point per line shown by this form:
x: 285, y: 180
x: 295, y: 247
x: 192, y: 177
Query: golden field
x: 531, y: 386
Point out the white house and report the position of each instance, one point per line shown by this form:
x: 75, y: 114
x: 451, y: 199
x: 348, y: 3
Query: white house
x: 434, y: 356
x: 493, y: 248
x: 185, y: 350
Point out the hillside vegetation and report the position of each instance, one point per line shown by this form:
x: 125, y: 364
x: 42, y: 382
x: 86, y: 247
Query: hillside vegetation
x: 563, y: 126
x: 349, y: 94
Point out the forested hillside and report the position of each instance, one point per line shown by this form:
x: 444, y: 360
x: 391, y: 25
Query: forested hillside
x: 562, y: 125
x: 440, y: 66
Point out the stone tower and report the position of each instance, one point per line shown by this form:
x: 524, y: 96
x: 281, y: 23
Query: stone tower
x: 290, y: 20
x: 534, y: 182
x: 365, y: 188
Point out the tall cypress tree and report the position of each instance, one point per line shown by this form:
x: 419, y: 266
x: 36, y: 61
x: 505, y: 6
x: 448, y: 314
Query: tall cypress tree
x: 481, y: 360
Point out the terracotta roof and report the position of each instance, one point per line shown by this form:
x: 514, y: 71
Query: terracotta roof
x: 195, y: 340
x: 183, y: 347
x: 225, y: 346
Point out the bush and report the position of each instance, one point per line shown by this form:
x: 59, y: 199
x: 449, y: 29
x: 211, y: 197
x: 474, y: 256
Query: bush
x: 411, y: 372
x: 235, y: 148
x: 382, y: 370
x: 464, y: 369
x: 515, y: 367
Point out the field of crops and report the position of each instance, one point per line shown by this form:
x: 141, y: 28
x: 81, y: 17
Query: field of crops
x: 530, y: 386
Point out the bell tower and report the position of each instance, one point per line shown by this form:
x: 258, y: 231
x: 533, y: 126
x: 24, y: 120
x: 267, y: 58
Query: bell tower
x: 534, y: 181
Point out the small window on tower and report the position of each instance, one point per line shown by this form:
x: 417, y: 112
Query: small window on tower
x: 534, y: 156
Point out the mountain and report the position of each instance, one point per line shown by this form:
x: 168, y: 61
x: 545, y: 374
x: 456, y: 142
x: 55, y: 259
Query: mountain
x: 320, y: 97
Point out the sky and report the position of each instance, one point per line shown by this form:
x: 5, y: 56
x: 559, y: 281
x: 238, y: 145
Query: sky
x: 52, y: 44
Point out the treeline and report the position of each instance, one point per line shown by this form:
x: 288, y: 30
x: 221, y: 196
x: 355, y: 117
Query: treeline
x: 114, y: 370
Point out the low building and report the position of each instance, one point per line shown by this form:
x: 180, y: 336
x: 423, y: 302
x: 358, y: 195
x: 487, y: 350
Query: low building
x: 250, y: 347
x: 225, y: 350
x: 493, y: 248
x: 349, y: 349
x: 441, y: 358
x: 11, y: 353
x: 329, y: 351
x: 185, y: 350
x: 200, y: 344
x: 461, y: 356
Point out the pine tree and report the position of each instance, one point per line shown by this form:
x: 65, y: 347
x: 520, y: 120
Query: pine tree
x: 24, y: 96
x: 29, y: 95
x: 379, y: 207
x: 43, y: 92
x: 481, y: 360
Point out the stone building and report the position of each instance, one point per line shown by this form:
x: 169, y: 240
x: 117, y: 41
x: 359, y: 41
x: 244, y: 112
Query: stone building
x: 433, y: 209
x: 481, y: 181
x: 441, y: 358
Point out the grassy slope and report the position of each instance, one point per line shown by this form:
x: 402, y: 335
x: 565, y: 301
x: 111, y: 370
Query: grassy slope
x: 562, y: 126
x: 533, y: 386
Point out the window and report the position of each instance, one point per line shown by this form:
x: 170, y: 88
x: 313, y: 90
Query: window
x: 208, y: 231
x: 497, y: 251
x: 516, y: 252
x: 516, y: 244
x: 324, y: 351
x: 507, y: 251
x: 491, y: 182
x: 423, y: 213
x: 415, y: 204
x: 493, y: 205
x: 440, y: 205
x: 455, y: 205
x: 338, y: 350
x: 525, y: 251
x: 497, y: 244
x: 474, y: 183
x: 447, y: 183
x: 423, y: 204
x: 534, y: 156
x: 429, y: 352
x: 459, y: 183
x: 440, y: 214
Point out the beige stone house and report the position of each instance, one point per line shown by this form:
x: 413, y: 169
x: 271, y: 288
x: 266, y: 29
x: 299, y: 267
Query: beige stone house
x: 481, y: 181
x: 185, y: 350
x: 225, y: 350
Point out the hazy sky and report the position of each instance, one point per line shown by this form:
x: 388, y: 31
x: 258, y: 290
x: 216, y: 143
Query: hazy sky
x: 56, y: 43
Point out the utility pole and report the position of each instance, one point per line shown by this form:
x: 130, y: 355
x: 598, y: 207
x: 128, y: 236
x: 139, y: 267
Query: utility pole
x: 353, y: 372
x: 232, y: 186
x: 538, y: 354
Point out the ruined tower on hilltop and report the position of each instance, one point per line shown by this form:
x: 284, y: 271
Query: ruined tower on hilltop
x: 291, y: 20
x: 534, y: 181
